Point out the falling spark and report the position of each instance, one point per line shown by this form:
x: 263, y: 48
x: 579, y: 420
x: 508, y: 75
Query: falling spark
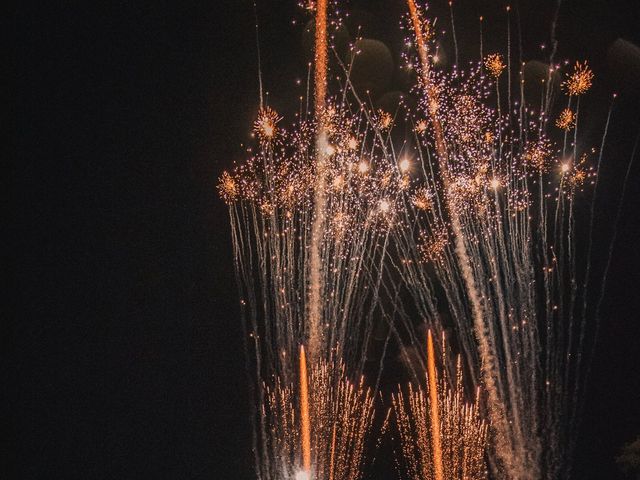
x: 385, y: 120
x: 227, y: 188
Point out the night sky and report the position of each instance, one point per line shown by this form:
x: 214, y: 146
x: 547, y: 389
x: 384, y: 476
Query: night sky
x: 125, y: 349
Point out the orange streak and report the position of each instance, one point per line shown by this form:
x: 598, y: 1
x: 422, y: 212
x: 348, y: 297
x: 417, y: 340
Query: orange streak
x: 435, y: 414
x: 321, y: 56
x: 431, y: 90
x: 333, y: 451
x: 315, y: 275
x: 304, y: 413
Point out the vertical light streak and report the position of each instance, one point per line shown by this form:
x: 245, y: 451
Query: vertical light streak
x: 321, y: 57
x: 433, y: 406
x: 315, y: 267
x: 305, y: 420
x: 333, y: 452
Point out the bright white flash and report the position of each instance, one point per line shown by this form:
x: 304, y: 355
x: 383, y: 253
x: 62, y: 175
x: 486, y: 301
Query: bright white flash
x: 302, y: 475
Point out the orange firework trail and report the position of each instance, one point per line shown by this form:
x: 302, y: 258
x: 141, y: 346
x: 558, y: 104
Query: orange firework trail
x: 321, y: 58
x: 435, y: 415
x: 305, y: 420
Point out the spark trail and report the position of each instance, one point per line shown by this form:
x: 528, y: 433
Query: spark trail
x: 305, y: 421
x: 315, y: 275
x: 433, y: 407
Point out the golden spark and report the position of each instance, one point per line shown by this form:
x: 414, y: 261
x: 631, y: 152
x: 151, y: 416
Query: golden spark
x: 384, y: 120
x: 494, y: 64
x: 422, y: 199
x: 265, y: 124
x: 227, y: 187
x: 579, y: 81
x: 566, y: 120
x: 421, y: 126
x: 537, y: 154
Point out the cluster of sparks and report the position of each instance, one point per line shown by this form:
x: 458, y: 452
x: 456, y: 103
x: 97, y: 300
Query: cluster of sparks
x: 579, y: 80
x: 494, y: 63
x: 461, y: 431
x: 339, y: 415
x: 477, y: 217
x: 566, y: 119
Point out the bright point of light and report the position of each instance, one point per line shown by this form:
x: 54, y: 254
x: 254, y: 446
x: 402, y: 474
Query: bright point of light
x: 363, y: 167
x: 302, y: 475
x: 565, y: 167
x: 404, y: 164
x: 268, y: 128
x: 495, y: 183
x: 352, y: 144
x: 384, y: 206
x: 329, y: 150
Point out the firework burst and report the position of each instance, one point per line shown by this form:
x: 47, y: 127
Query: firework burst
x: 566, y: 120
x: 579, y: 80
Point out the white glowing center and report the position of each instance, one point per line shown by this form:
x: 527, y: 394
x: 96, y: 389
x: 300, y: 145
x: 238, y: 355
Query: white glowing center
x: 302, y: 475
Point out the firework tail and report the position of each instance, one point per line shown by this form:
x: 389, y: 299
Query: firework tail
x: 305, y: 420
x: 433, y: 406
x: 315, y: 277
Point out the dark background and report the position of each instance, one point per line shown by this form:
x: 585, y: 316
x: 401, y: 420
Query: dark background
x: 125, y: 351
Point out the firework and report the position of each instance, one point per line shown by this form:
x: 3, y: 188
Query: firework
x: 479, y: 224
x: 495, y: 251
x: 311, y: 209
